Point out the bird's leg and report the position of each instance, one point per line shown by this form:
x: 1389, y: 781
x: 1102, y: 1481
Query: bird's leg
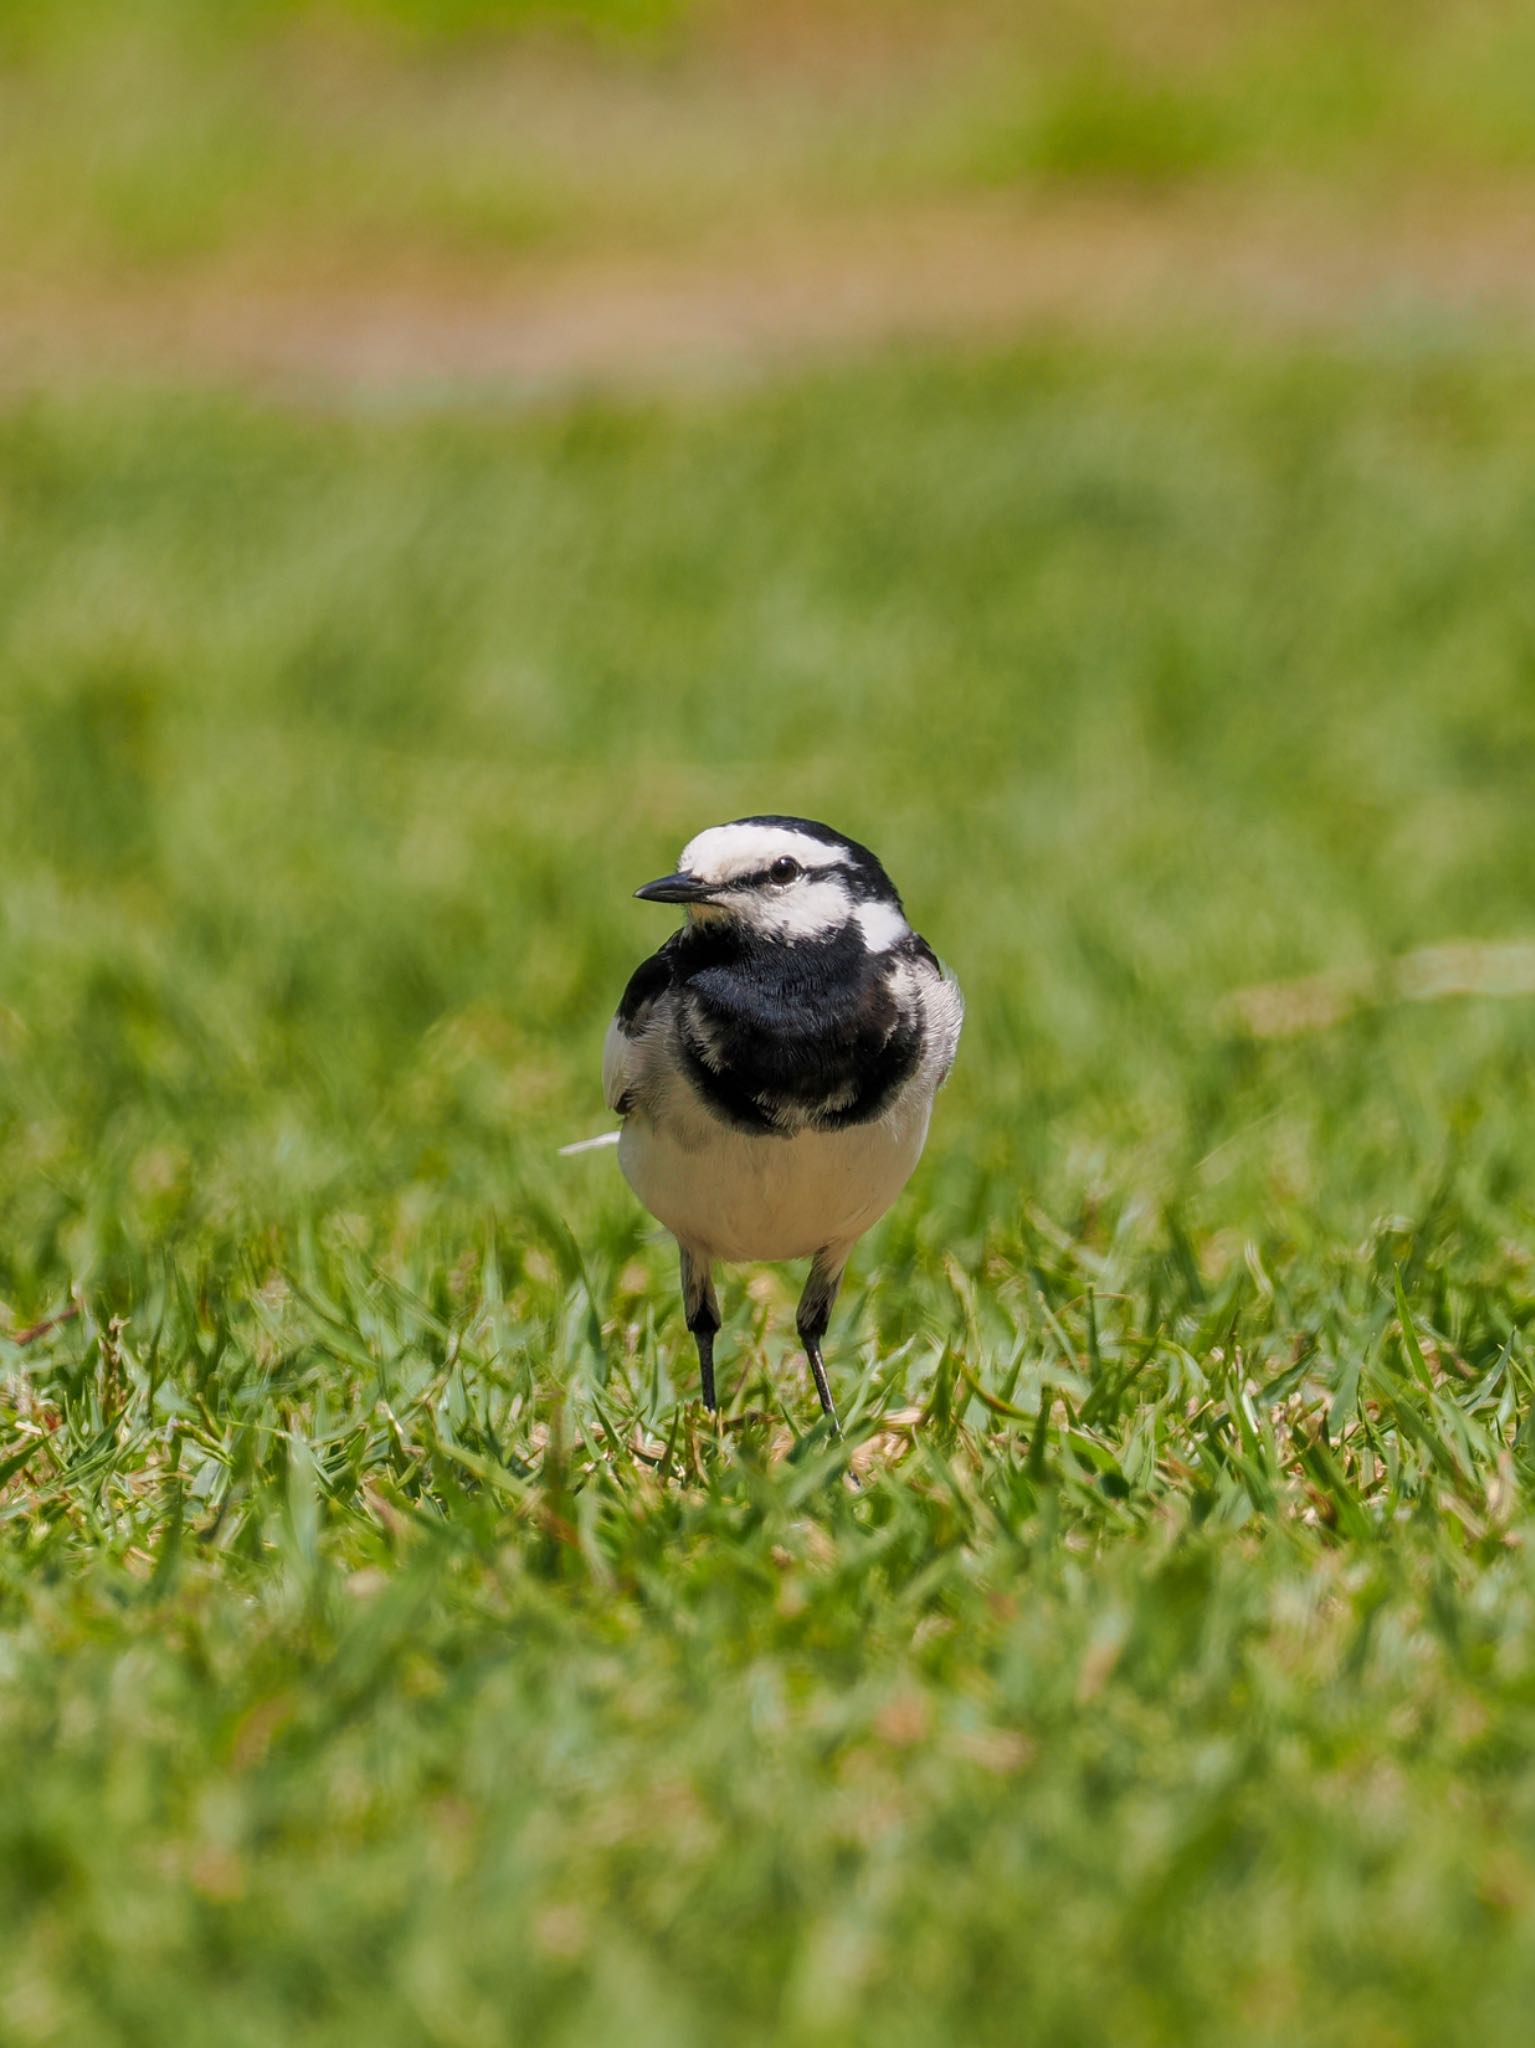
x: 813, y: 1316
x: 703, y: 1316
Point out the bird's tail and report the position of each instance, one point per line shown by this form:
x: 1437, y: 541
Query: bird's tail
x: 589, y: 1144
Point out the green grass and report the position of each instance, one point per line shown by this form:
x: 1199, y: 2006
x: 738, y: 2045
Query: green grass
x: 388, y: 1650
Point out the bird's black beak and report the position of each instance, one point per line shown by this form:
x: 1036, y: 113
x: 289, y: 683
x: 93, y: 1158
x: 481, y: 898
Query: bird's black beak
x: 675, y: 889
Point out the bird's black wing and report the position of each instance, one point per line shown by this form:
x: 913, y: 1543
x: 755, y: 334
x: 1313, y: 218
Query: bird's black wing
x: 650, y: 981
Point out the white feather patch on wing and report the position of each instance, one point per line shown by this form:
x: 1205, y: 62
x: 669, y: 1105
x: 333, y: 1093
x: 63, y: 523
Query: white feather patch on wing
x: 945, y: 1007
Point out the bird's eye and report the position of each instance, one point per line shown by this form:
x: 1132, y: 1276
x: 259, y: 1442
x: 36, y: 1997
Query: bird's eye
x: 784, y: 869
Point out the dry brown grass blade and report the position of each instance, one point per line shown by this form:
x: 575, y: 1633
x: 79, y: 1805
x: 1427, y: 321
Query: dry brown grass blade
x: 35, y: 1330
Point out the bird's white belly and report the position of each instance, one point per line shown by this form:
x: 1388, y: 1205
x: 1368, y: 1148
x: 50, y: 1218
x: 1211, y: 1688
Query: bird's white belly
x: 733, y: 1196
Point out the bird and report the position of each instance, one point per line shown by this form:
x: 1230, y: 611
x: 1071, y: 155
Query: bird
x: 775, y: 1063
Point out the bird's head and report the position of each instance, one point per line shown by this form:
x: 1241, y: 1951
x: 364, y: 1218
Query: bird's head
x: 784, y: 879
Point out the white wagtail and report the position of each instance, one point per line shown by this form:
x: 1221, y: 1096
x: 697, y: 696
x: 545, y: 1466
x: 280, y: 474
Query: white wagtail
x: 775, y: 1062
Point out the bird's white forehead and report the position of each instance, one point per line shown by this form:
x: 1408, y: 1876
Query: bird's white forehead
x: 726, y: 851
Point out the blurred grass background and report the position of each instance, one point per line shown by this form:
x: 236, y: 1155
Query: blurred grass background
x: 165, y: 133
x: 387, y: 1650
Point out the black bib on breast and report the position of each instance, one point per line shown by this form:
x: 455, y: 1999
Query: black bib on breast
x: 775, y: 1036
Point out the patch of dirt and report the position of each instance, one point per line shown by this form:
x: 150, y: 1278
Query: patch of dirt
x: 984, y: 272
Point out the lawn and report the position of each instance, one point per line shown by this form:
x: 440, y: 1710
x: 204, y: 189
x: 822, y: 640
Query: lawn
x: 390, y: 1650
